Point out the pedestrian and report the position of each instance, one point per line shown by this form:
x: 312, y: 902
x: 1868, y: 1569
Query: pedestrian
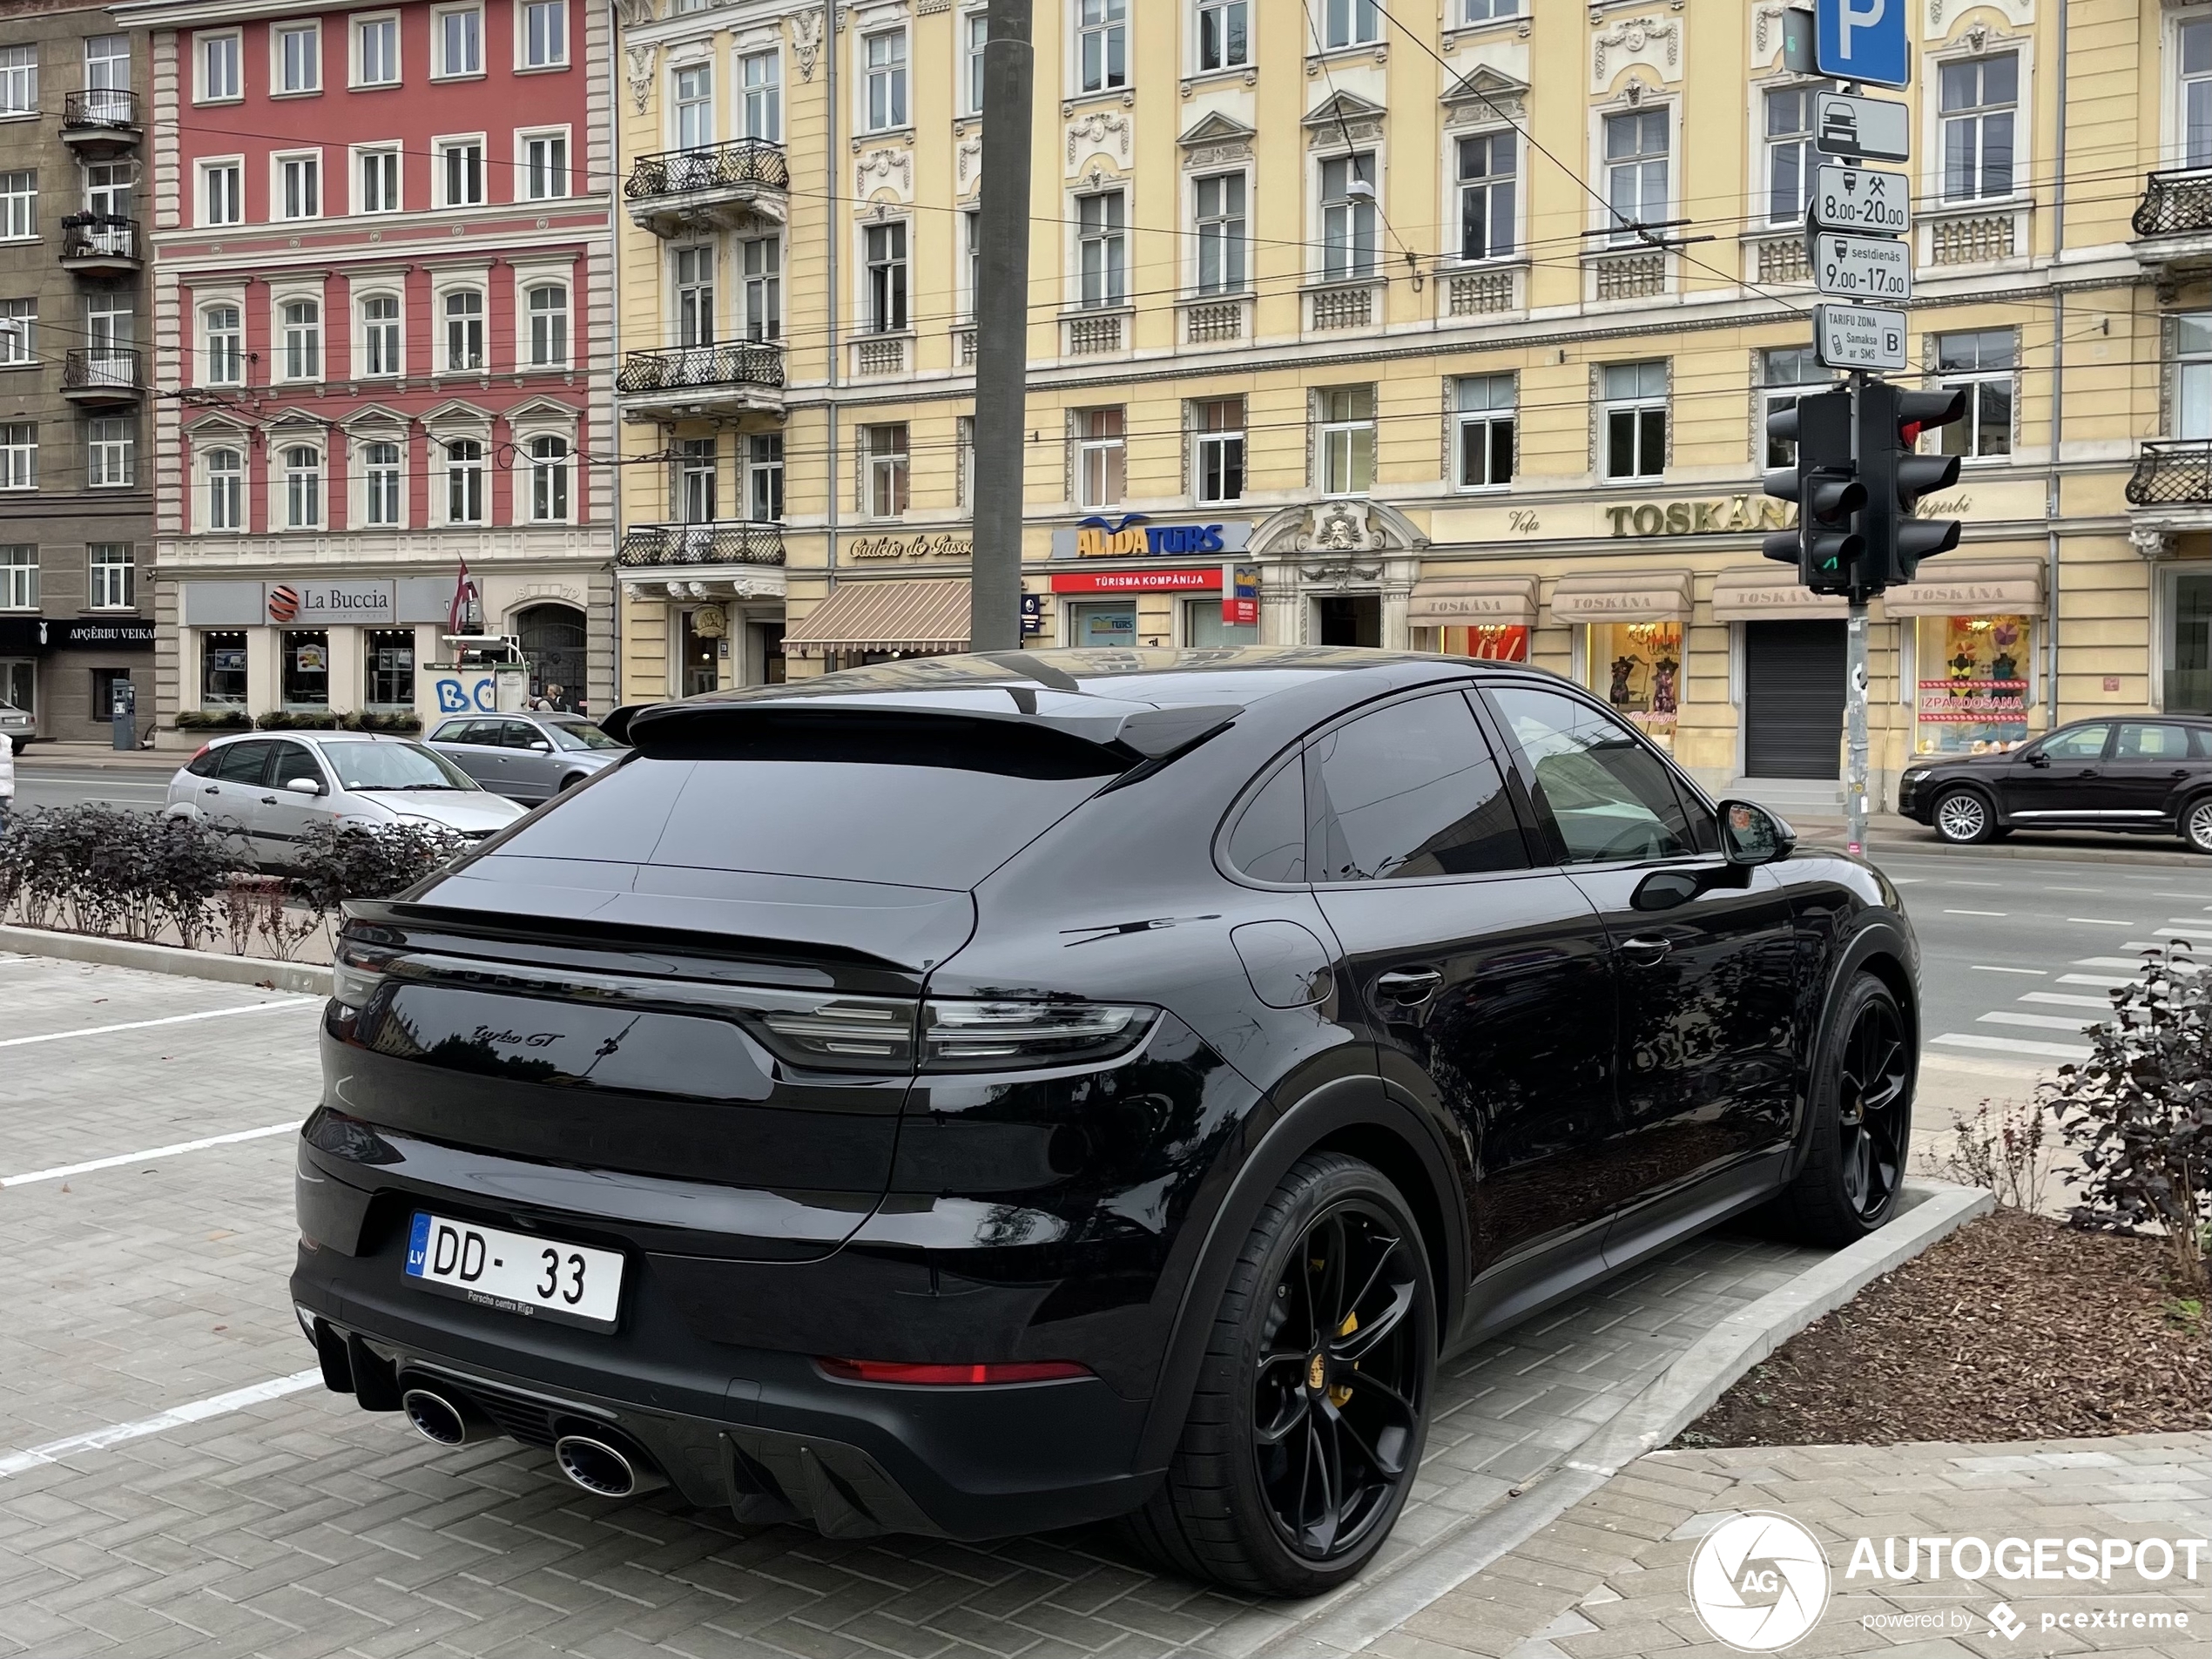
x: 558, y: 699
x: 7, y: 780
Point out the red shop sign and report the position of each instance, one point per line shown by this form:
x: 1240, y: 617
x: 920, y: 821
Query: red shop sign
x: 1205, y: 580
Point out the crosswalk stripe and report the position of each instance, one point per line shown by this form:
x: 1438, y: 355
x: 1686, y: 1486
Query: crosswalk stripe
x: 2096, y: 979
x: 2042, y: 1021
x: 2013, y: 1045
x: 2062, y: 999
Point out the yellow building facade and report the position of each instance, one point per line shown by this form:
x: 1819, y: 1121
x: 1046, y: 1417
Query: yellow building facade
x: 1453, y: 336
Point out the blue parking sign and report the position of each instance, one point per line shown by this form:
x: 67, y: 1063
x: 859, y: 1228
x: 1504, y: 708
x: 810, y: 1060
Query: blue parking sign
x: 1864, y: 40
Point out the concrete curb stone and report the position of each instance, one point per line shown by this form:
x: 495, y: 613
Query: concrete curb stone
x: 309, y: 979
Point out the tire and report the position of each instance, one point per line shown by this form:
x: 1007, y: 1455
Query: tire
x: 569, y: 783
x: 1862, y: 1123
x: 1268, y: 1409
x: 1963, y: 817
x: 2197, y: 823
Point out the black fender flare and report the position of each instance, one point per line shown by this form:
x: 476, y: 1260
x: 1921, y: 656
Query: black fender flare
x: 1332, y: 1107
x: 1880, y: 938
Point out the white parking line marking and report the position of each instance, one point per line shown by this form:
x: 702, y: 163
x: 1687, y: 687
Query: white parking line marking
x: 2098, y: 890
x: 62, y: 1170
x: 1973, y: 912
x: 2059, y: 998
x: 2042, y: 1021
x: 170, y: 1019
x: 2096, y: 979
x: 2014, y: 1045
x: 1987, y: 967
x: 199, y: 1411
x: 2101, y: 921
x: 2106, y: 961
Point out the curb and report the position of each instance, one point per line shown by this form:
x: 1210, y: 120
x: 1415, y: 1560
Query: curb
x: 308, y: 978
x: 1670, y: 1404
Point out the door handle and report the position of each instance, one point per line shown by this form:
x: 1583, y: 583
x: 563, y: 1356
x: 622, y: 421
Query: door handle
x: 1646, y: 952
x: 213, y: 789
x: 268, y: 800
x: 1410, y: 986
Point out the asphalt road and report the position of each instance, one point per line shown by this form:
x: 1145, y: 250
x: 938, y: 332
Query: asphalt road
x: 68, y: 784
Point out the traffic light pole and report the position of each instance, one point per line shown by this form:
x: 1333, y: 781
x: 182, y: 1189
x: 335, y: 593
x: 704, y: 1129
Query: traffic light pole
x: 1854, y: 743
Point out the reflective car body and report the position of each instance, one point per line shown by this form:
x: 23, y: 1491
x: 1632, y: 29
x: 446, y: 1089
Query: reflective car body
x: 530, y: 756
x: 2150, y: 775
x: 16, y: 725
x: 736, y: 1012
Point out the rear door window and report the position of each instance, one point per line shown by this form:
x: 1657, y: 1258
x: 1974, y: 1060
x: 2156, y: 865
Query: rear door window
x: 1412, y: 790
x: 1607, y: 797
x: 1268, y: 843
x: 2148, y: 742
x: 244, y: 763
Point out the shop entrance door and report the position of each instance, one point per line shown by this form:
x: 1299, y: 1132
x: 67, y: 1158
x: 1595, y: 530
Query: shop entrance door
x: 19, y: 685
x: 1793, y: 699
x: 1350, y: 619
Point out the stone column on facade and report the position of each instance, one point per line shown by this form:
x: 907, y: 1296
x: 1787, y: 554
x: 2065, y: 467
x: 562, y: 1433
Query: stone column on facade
x: 1398, y: 577
x: 348, y: 666
x: 263, y: 668
x: 1282, y: 604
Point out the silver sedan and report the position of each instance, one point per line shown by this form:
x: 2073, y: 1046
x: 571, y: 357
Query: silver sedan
x: 527, y: 757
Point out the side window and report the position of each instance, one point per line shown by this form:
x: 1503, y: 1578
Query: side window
x: 1268, y: 843
x: 484, y: 734
x: 203, y: 765
x: 2082, y: 742
x: 1607, y: 797
x: 2151, y: 742
x: 519, y: 734
x: 451, y: 731
x: 2201, y: 743
x: 244, y: 763
x: 292, y: 760
x: 1412, y: 790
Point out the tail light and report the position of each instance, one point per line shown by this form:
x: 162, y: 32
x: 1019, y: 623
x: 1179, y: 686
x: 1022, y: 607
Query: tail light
x: 356, y: 969
x: 1009, y: 1371
x: 956, y: 1034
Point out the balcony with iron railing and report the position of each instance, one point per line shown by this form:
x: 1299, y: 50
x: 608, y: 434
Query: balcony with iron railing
x: 716, y: 184
x: 733, y: 377
x: 100, y: 120
x: 101, y: 375
x: 687, y: 549
x: 2173, y: 222
x: 2171, y: 472
x: 101, y: 242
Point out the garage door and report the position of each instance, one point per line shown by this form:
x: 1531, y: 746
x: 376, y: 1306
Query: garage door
x: 1793, y: 699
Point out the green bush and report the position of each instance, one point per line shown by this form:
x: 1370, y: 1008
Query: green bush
x: 300, y: 721
x: 214, y: 720
x: 404, y: 724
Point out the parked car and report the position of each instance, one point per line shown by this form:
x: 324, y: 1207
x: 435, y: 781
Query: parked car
x: 979, y: 1095
x: 2151, y: 776
x: 273, y: 788
x: 16, y: 725
x: 527, y: 757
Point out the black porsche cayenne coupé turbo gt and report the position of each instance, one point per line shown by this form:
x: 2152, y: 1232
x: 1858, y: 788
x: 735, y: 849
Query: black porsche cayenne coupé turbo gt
x: 982, y: 1094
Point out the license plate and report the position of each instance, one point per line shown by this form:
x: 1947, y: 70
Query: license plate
x: 540, y: 1278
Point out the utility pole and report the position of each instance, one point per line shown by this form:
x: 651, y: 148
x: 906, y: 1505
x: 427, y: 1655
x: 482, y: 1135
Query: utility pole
x: 1002, y: 301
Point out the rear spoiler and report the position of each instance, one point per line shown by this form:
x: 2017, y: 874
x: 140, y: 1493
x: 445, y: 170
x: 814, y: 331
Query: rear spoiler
x: 690, y: 730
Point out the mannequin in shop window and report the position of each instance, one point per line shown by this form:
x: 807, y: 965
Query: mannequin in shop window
x: 1621, y: 695
x: 1664, y: 674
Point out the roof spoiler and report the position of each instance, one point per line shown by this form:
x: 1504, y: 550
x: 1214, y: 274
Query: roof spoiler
x: 1138, y: 735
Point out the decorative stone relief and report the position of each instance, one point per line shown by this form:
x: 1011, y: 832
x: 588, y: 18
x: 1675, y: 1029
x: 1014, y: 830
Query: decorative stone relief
x: 931, y: 8
x: 1651, y: 41
x: 806, y: 42
x: 1101, y: 130
x: 630, y: 13
x: 1943, y: 13
x: 1766, y: 32
x: 1484, y: 99
x: 1344, y: 117
x: 1340, y: 527
x: 885, y: 169
x: 968, y: 163
x: 2151, y: 544
x: 1216, y: 140
x: 637, y: 69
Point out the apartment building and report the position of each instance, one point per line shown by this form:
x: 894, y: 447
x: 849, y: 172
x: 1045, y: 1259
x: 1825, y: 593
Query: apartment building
x: 382, y: 324
x: 75, y: 512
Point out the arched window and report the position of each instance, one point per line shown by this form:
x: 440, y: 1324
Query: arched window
x: 381, y: 334
x: 302, y: 323
x: 464, y: 330
x: 552, y: 638
x: 464, y: 480
x: 549, y: 480
x: 224, y: 363
x: 303, y: 487
x: 548, y: 325
x: 226, y: 491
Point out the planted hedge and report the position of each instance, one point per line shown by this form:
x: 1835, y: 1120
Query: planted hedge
x: 293, y: 720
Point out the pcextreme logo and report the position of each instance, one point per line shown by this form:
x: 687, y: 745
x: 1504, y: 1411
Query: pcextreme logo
x: 1759, y: 1583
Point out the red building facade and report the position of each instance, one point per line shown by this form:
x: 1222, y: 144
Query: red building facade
x: 382, y: 304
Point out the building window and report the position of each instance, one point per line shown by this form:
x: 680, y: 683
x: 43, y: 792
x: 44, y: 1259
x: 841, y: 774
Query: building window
x: 1983, y: 363
x: 380, y: 182
x: 1635, y: 168
x: 223, y: 362
x: 1351, y: 23
x: 1786, y: 374
x: 19, y: 204
x: 764, y: 477
x: 696, y: 464
x: 886, y: 265
x: 545, y: 34
x: 298, y: 58
x: 885, y: 473
x: 1489, y: 166
x: 220, y: 79
x: 18, y: 455
x: 695, y: 296
x: 1223, y: 35
x: 761, y: 260
x: 226, y: 471
x: 1474, y: 11
x: 302, y: 324
x: 299, y: 186
x: 458, y: 35
x: 1221, y: 449
x: 975, y: 34
x: 548, y: 309
x: 545, y: 166
x: 464, y: 480
x: 306, y: 654
x: 303, y: 487
x: 1221, y: 234
x: 761, y: 85
x: 1635, y: 418
x: 222, y: 193
x: 884, y: 55
x: 18, y: 331
x: 1347, y: 440
x: 222, y: 669
x: 461, y: 167
x: 548, y: 480
x: 18, y: 578
x: 380, y: 484
x: 694, y: 104
x: 1979, y: 99
x: 1790, y: 157
x: 972, y: 228
x: 107, y: 63
x: 112, y: 576
x: 380, y: 335
x: 2195, y: 100
x: 111, y: 452
x: 1103, y: 243
x: 1102, y: 457
x: 2192, y: 416
x: 1348, y: 216
x: 388, y: 658
x: 18, y: 80
x: 377, y: 51
x: 464, y: 315
x: 1484, y: 415
x: 1102, y: 44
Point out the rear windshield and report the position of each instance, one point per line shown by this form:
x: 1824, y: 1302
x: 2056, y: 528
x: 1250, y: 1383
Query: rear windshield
x: 579, y: 734
x: 924, y: 826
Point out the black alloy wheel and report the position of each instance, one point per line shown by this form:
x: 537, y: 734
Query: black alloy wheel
x: 1311, y: 1411
x: 1861, y: 1127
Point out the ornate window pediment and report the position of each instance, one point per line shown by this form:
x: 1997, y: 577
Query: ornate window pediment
x: 1485, y: 95
x: 1343, y: 115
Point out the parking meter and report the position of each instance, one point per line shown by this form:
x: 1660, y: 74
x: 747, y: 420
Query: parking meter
x: 123, y: 710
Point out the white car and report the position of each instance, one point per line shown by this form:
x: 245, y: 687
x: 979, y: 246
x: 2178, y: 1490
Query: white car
x: 15, y: 724
x: 271, y: 788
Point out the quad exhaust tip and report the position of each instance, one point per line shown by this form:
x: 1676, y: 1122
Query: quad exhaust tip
x: 602, y: 1470
x: 443, y: 1420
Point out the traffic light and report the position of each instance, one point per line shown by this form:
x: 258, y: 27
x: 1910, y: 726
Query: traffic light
x: 1825, y: 547
x: 1891, y: 421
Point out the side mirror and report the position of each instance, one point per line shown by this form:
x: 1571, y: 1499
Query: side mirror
x: 2039, y: 759
x: 1750, y: 835
x: 303, y: 785
x: 542, y: 746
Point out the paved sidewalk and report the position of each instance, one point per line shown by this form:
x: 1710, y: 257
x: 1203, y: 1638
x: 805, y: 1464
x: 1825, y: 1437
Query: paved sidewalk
x: 1610, y: 1577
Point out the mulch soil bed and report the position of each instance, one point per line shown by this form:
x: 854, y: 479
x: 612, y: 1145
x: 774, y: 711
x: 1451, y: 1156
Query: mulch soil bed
x: 2015, y: 1328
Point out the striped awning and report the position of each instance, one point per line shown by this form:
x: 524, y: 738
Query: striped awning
x: 884, y: 613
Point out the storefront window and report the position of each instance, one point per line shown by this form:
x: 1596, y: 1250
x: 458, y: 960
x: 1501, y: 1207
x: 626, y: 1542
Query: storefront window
x: 1972, y: 684
x: 1107, y: 627
x: 390, y: 662
x: 1487, y: 642
x: 307, y: 669
x: 1636, y: 666
x: 19, y: 685
x: 222, y: 669
x: 1202, y: 626
x: 2189, y: 644
x: 701, y: 647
